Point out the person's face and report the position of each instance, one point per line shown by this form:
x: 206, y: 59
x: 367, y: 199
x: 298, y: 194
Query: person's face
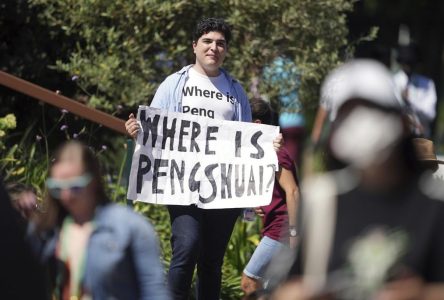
x: 210, y: 50
x: 70, y: 185
x: 363, y: 135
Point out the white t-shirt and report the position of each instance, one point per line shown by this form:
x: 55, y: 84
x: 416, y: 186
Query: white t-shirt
x: 208, y: 96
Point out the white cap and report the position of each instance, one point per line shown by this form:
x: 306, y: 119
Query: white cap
x: 360, y: 78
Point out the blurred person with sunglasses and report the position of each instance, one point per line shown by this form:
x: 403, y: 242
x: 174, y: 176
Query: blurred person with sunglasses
x: 94, y: 249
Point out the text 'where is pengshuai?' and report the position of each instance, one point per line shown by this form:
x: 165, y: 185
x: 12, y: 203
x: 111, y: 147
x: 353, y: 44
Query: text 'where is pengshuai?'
x: 185, y: 159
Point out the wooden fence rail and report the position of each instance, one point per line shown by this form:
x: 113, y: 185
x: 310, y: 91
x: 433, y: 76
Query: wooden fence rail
x: 50, y: 97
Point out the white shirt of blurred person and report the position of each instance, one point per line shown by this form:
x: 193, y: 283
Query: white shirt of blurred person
x: 204, y: 89
x: 362, y: 238
x: 416, y: 89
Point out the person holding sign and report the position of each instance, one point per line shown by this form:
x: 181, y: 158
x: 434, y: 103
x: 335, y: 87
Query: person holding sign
x: 279, y: 217
x: 200, y: 236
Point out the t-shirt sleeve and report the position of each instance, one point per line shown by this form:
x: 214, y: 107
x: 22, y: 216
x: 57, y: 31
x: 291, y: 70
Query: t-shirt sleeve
x: 285, y: 160
x: 162, y: 95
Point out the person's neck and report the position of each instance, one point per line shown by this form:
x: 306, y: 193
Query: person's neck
x: 84, y: 214
x: 206, y: 72
x: 385, y: 176
x: 82, y: 219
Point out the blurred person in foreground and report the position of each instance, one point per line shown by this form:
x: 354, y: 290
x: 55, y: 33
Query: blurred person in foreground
x: 279, y: 217
x: 371, y: 229
x: 94, y: 248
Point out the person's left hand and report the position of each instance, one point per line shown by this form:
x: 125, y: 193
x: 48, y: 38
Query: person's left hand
x: 259, y: 211
x: 278, y: 142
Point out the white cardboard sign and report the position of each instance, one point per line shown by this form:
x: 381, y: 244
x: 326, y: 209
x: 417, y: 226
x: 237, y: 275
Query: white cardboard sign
x: 185, y: 159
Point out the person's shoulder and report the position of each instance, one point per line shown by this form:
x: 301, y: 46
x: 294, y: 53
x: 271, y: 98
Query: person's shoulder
x: 400, y: 77
x: 399, y: 73
x: 284, y: 156
x: 177, y: 74
x: 232, y: 80
x: 228, y: 75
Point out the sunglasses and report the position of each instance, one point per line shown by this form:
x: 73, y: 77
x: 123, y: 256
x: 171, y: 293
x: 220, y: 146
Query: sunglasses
x: 74, y: 184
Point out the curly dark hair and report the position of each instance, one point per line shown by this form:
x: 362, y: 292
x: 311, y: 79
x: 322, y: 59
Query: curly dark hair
x: 212, y: 24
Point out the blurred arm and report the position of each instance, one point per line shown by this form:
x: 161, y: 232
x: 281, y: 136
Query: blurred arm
x: 321, y: 115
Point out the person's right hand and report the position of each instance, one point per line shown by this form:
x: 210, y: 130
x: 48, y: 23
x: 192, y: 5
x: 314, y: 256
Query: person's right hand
x: 131, y: 126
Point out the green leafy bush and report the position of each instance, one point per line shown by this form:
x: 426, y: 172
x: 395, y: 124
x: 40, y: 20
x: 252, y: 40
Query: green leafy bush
x: 124, y: 49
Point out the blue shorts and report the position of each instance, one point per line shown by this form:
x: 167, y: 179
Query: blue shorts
x: 261, y: 257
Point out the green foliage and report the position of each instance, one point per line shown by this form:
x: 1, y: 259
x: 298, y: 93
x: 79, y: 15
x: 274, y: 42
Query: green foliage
x: 24, y: 162
x: 243, y: 242
x: 27, y: 159
x: 123, y: 49
x: 244, y: 239
x: 7, y: 123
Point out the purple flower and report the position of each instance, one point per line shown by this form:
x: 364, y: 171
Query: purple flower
x: 75, y: 135
x: 38, y: 138
x: 74, y: 78
x: 63, y: 127
x: 104, y: 147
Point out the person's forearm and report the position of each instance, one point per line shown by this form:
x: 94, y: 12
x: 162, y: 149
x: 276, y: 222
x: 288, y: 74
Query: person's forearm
x: 292, y: 199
